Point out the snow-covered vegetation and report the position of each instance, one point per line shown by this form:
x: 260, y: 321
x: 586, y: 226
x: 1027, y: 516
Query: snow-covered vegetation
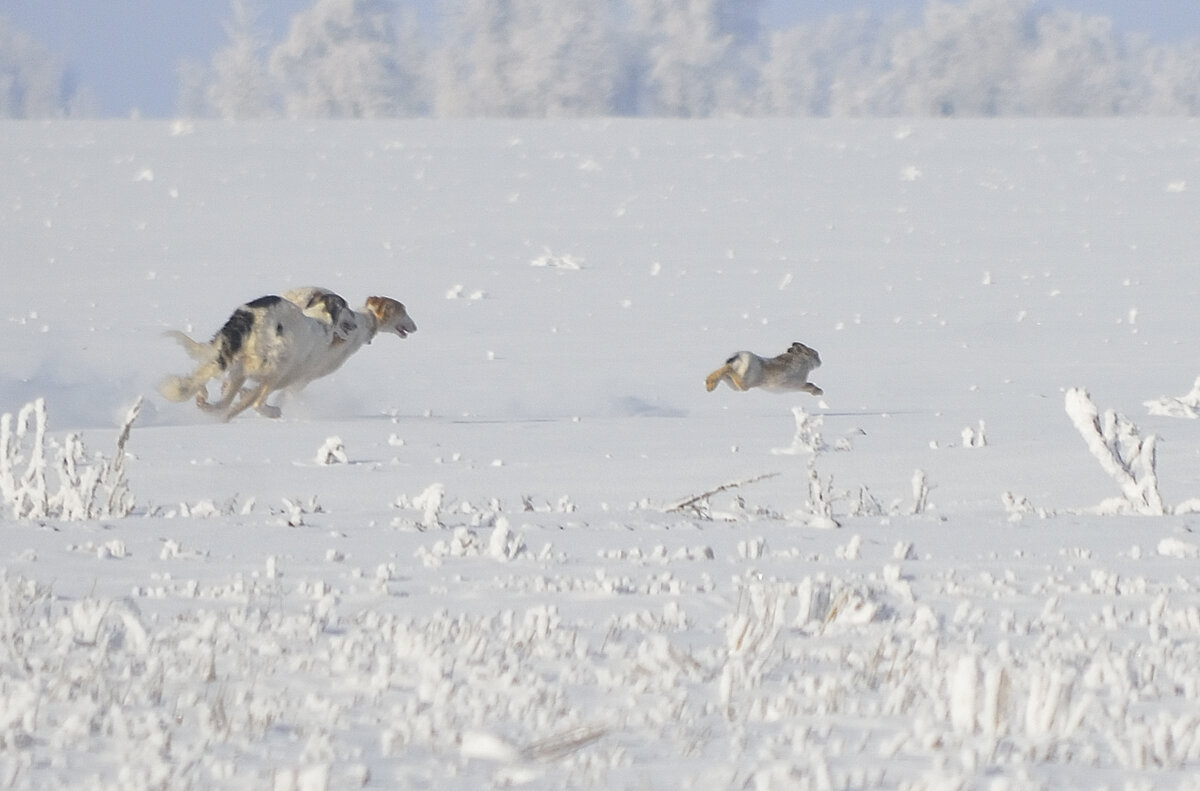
x: 525, y: 547
x: 84, y: 488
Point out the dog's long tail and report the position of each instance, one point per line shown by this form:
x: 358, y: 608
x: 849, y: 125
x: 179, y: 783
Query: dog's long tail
x: 183, y: 388
x: 202, y: 352
x: 180, y: 388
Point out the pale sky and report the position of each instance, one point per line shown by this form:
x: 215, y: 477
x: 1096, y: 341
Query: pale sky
x: 129, y: 53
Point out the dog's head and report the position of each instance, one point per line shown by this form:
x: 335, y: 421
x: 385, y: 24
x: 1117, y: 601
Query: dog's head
x: 391, y: 315
x: 333, y: 309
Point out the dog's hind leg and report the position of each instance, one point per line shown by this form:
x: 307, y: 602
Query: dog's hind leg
x: 268, y: 410
x: 247, y: 401
x: 230, y: 388
x: 254, y: 398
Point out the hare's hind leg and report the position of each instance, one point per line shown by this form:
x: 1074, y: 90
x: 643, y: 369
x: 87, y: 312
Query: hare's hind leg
x: 809, y: 387
x: 727, y: 373
x: 713, y: 379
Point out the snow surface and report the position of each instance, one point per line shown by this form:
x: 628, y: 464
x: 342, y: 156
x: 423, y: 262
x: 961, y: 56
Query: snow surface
x: 456, y: 563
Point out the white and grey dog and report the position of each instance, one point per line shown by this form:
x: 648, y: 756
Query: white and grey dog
x: 281, y: 343
x: 784, y: 372
x: 271, y: 342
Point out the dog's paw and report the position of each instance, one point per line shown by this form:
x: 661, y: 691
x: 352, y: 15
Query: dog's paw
x: 266, y: 410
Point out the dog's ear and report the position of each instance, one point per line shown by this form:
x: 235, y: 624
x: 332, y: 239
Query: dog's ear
x: 382, y: 306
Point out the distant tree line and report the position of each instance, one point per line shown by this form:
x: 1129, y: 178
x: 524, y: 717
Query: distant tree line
x: 689, y: 59
x: 661, y: 58
x: 34, y: 83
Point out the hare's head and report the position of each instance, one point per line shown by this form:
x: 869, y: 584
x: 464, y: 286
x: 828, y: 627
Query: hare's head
x: 798, y: 349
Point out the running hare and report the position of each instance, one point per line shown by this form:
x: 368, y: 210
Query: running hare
x: 785, y: 372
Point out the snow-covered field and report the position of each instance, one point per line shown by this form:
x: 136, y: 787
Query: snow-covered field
x: 492, y: 584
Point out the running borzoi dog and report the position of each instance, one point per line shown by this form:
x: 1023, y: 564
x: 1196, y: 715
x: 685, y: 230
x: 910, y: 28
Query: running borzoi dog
x: 785, y: 372
x: 282, y: 344
x: 269, y: 341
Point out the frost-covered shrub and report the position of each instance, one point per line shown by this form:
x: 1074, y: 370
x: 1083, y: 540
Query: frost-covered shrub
x: 920, y: 491
x: 807, y: 438
x: 1019, y: 506
x: 1124, y: 454
x: 866, y: 504
x: 698, y: 504
x: 975, y: 437
x: 430, y: 504
x: 505, y: 543
x: 552, y: 260
x: 333, y: 451
x: 1184, y: 406
x: 818, y: 508
x: 87, y: 488
x: 296, y: 510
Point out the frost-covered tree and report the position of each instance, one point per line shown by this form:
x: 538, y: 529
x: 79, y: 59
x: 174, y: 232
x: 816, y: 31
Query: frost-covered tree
x: 240, y: 85
x: 697, y: 57
x: 816, y: 69
x: 471, y: 76
x: 35, y: 84
x: 1076, y: 65
x: 978, y: 58
x: 529, y: 58
x: 963, y: 60
x: 349, y: 59
x: 683, y: 58
x: 1172, y: 79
